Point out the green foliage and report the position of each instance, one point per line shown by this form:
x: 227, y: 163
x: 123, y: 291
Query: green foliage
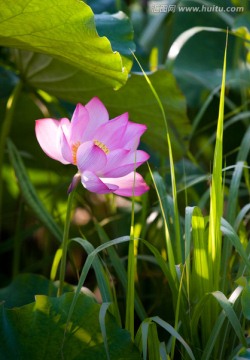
x: 29, y: 192
x: 41, y: 329
x: 23, y: 289
x: 184, y: 265
x: 50, y: 29
x: 245, y: 301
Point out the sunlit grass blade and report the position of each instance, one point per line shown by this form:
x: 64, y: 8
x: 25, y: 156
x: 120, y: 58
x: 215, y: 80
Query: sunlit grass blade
x: 200, y: 272
x: 55, y: 264
x: 29, y: 192
x: 188, y: 227
x: 216, y: 197
x: 178, y: 245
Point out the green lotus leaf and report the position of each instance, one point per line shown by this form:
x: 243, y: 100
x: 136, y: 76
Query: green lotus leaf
x: 66, y: 30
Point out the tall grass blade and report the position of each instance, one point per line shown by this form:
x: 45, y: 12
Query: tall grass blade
x: 188, y: 227
x: 200, y: 272
x: 214, y: 335
x: 234, y: 192
x: 88, y: 263
x: 240, y: 217
x: 5, y: 130
x: 153, y: 342
x: 173, y: 333
x: 102, y: 315
x: 230, y: 216
x: 216, y: 196
x: 102, y: 280
x: 244, y: 146
x: 120, y: 269
x: 231, y: 315
x: 144, y: 337
x: 167, y: 204
x: 178, y: 246
x: 29, y: 192
x: 231, y: 235
x: 170, y: 253
x: 130, y: 295
x: 163, y: 352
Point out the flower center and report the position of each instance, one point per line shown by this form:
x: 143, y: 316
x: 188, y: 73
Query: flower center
x: 74, y: 151
x: 102, y: 146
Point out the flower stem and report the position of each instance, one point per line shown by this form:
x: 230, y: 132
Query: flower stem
x: 10, y: 109
x: 65, y: 244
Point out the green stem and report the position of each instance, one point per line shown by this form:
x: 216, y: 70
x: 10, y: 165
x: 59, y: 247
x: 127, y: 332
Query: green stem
x: 5, y: 130
x: 65, y: 243
x: 129, y: 322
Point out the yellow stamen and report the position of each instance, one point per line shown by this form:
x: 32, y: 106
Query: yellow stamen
x: 102, y: 146
x: 74, y: 151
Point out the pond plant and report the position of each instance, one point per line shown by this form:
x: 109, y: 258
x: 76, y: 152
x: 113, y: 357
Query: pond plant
x: 99, y: 259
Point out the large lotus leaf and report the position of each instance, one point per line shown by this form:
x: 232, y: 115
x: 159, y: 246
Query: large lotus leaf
x: 64, y: 29
x: 69, y: 83
x: 38, y: 331
x: 119, y: 31
x: 24, y: 287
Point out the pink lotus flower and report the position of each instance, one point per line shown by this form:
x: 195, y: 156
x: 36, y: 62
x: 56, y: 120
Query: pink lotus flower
x: 104, y: 151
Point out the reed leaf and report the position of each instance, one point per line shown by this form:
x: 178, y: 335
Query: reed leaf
x: 29, y: 193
